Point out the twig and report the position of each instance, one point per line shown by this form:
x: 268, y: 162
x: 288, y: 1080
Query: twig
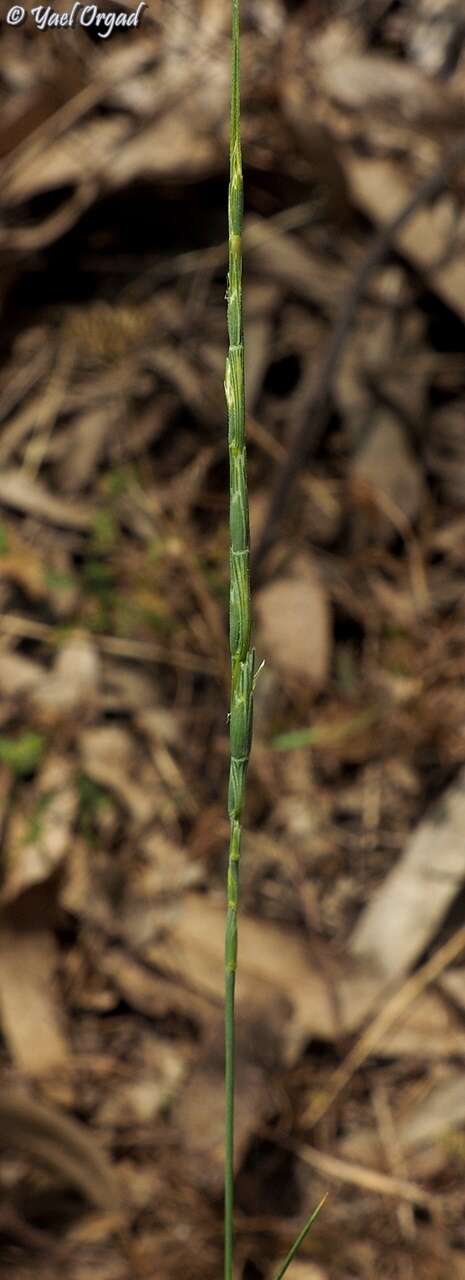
x: 395, y: 1008
x: 357, y: 1175
x: 60, y: 1143
x: 12, y: 624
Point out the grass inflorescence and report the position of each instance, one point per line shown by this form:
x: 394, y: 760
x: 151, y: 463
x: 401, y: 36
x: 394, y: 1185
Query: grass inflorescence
x: 243, y: 674
x: 240, y: 621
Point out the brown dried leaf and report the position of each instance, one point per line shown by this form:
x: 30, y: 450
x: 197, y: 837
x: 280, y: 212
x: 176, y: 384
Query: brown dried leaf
x: 168, y: 148
x: 23, y: 564
x: 304, y: 1269
x: 295, y: 624
x: 287, y: 261
x: 62, y: 162
x: 84, y: 445
x: 37, y: 841
x: 72, y: 684
x: 168, y: 867
x: 373, y: 81
x: 200, y: 1108
x: 139, y: 1101
x: 22, y: 492
x: 60, y: 1143
x: 28, y: 111
x: 403, y: 916
x: 380, y: 188
x: 386, y: 469
x: 110, y: 756
x: 429, y: 1030
x: 275, y: 976
x: 18, y: 675
x: 30, y: 1016
x: 126, y: 689
x: 419, y: 1132
x: 150, y: 993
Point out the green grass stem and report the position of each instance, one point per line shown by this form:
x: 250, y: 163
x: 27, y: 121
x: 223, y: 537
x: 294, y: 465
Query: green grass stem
x: 242, y: 655
x: 243, y: 675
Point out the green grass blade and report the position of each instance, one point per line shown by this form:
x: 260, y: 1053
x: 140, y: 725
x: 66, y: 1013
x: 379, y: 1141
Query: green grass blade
x: 300, y: 1239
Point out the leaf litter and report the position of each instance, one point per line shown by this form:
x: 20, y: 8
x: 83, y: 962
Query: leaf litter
x: 114, y: 686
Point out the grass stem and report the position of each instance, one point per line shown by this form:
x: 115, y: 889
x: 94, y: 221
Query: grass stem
x: 243, y: 675
x: 242, y: 655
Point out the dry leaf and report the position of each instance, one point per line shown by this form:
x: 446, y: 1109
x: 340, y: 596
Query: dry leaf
x: 275, y: 974
x: 30, y: 1016
x: 84, y: 445
x: 429, y: 1031
x: 295, y: 624
x: 61, y: 1144
x: 63, y: 161
x: 127, y: 689
x: 420, y: 1130
x: 404, y: 914
x: 385, y: 466
x: 168, y: 867
x: 380, y: 188
x: 111, y: 757
x: 24, y: 564
x: 37, y: 840
x: 71, y: 686
x: 168, y: 148
x: 22, y: 492
x: 18, y: 675
x: 284, y: 259
x: 200, y: 1112
x: 147, y: 991
x: 140, y: 1101
x: 303, y: 1269
x: 370, y: 81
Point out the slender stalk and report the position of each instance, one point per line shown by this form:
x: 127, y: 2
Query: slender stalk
x: 242, y: 655
x: 243, y: 675
x: 300, y: 1239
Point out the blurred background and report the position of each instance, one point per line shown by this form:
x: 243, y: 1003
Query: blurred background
x: 113, y: 659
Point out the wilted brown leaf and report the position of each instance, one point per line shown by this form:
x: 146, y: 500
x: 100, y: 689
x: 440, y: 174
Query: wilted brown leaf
x: 110, y: 756
x: 386, y: 468
x: 403, y: 916
x: 381, y: 189
x: 22, y: 492
x: 36, y: 842
x: 72, y: 684
x: 30, y: 1013
x: 295, y: 624
x: 18, y: 675
x: 23, y: 564
x: 61, y: 1144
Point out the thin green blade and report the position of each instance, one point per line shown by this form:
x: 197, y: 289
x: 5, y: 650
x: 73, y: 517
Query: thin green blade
x: 300, y: 1239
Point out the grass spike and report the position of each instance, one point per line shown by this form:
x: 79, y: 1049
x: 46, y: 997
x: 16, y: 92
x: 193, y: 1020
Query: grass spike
x: 242, y: 655
x: 243, y: 674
